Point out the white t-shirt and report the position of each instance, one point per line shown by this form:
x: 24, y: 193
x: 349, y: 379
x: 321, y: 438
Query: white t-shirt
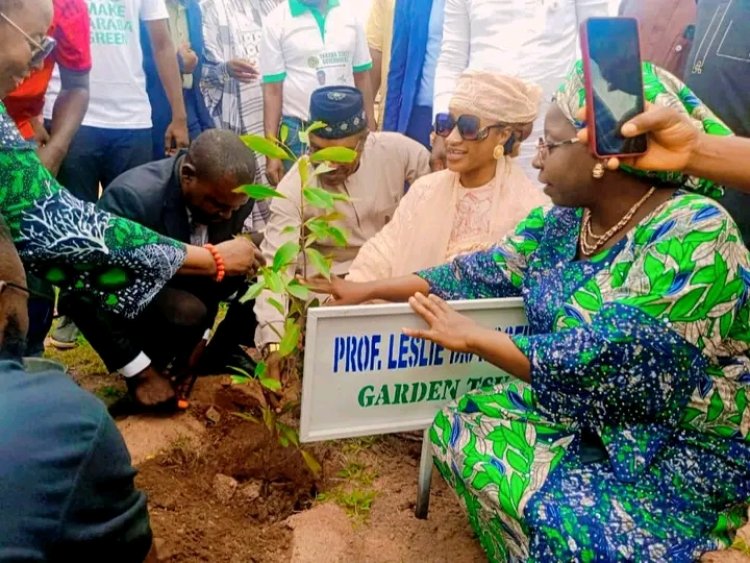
x: 308, y: 52
x: 534, y: 40
x: 117, y: 83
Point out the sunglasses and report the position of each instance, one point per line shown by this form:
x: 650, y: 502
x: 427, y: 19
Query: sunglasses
x: 10, y: 285
x: 39, y: 51
x: 468, y: 127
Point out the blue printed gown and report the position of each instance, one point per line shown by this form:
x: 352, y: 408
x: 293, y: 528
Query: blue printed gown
x: 642, y: 351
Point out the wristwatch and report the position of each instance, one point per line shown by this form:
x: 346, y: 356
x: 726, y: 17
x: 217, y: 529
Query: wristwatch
x: 269, y: 349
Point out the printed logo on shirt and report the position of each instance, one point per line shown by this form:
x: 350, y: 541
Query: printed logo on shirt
x: 110, y: 24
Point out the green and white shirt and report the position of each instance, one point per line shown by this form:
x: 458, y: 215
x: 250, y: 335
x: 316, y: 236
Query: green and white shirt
x: 307, y: 49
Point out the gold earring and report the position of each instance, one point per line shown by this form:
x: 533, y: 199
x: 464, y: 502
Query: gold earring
x: 598, y: 171
x: 499, y: 152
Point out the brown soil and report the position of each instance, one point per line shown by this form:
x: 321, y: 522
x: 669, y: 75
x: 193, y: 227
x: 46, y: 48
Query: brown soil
x: 195, y: 518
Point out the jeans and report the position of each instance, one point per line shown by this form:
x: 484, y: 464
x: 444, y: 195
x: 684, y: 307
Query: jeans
x: 41, y: 311
x: 98, y: 156
x: 162, y: 119
x: 296, y: 126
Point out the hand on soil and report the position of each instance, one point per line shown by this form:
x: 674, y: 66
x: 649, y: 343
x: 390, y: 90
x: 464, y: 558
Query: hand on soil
x: 152, y: 388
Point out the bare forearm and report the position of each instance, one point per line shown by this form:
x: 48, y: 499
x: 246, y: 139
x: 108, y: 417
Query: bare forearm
x: 67, y: 116
x: 363, y: 82
x: 165, y: 56
x: 272, y: 96
x: 376, y: 75
x: 723, y: 160
x: 396, y: 289
x: 498, y: 349
x: 198, y: 262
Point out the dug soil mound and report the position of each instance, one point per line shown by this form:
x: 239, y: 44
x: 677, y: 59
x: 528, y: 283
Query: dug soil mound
x: 225, y: 496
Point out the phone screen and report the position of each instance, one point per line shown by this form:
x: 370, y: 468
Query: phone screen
x: 616, y: 81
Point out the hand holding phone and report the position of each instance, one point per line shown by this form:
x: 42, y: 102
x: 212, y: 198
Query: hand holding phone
x: 614, y: 85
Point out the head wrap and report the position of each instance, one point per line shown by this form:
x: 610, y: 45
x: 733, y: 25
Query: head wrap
x: 661, y: 89
x: 496, y: 97
x: 341, y: 108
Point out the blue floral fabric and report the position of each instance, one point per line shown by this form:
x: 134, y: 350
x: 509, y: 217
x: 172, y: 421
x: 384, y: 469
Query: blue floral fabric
x: 642, y: 350
x: 116, y: 263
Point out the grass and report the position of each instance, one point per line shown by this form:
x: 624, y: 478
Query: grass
x: 88, y: 370
x: 354, y: 491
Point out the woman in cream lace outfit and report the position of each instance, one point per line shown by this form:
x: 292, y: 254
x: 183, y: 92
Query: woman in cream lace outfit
x: 480, y: 197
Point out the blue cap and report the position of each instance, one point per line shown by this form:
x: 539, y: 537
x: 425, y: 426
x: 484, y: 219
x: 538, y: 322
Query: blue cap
x: 341, y: 108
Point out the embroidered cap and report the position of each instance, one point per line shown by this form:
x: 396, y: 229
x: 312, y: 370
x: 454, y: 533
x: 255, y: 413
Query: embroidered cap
x: 341, y: 108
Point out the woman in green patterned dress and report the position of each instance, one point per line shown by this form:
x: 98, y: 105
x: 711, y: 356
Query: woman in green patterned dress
x: 637, y: 293
x: 120, y: 264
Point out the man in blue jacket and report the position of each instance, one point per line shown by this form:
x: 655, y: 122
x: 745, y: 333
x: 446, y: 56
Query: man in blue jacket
x: 66, y: 481
x: 186, y: 30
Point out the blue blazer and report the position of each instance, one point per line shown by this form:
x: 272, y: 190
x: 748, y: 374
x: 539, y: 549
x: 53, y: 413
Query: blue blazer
x: 161, y: 113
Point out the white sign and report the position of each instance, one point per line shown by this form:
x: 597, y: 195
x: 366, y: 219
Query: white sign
x: 363, y: 376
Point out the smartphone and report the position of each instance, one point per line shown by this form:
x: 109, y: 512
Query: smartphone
x: 614, y: 84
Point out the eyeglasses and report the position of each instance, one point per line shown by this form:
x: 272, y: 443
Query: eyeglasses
x: 39, y: 51
x: 468, y: 127
x: 10, y: 285
x: 545, y: 147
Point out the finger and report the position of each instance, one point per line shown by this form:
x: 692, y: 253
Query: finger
x: 420, y: 308
x: 613, y: 163
x: 583, y: 135
x: 439, y: 303
x: 418, y: 333
x: 581, y: 113
x: 653, y: 119
x: 259, y: 258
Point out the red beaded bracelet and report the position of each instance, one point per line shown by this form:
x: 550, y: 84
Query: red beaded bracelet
x: 220, y: 269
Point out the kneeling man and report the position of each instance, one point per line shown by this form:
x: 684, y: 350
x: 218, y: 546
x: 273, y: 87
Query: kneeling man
x: 190, y: 197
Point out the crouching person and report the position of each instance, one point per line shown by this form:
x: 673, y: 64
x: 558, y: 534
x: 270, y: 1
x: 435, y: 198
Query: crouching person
x: 66, y: 481
x: 190, y: 197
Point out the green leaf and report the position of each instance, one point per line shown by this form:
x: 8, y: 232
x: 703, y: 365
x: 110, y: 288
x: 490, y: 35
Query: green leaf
x: 338, y: 236
x: 266, y: 147
x: 285, y: 255
x: 289, y: 433
x: 288, y: 230
x: 273, y: 280
x: 270, y: 383
x: 276, y: 305
x: 247, y: 417
x: 303, y: 166
x: 283, y: 133
x: 253, y: 291
x: 298, y: 290
x: 311, y: 462
x: 321, y: 264
x: 239, y: 379
x: 269, y: 418
x: 260, y: 369
x: 323, y: 168
x: 318, y: 197
x: 341, y: 155
x: 259, y: 192
x: 314, y: 126
x: 291, y: 338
